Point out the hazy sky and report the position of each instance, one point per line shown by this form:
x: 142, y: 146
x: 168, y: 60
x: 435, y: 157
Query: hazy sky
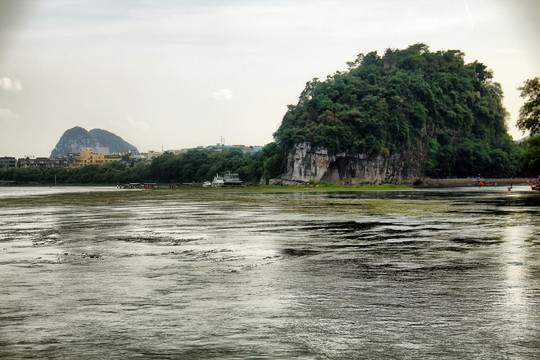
x: 179, y: 74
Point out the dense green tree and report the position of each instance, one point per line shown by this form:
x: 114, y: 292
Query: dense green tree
x: 529, y: 120
x: 529, y: 114
x: 530, y: 159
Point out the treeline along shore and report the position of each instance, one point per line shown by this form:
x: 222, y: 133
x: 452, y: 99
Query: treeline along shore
x: 194, y: 166
x: 197, y: 166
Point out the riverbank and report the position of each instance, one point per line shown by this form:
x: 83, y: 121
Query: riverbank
x: 471, y: 182
x: 424, y: 183
x: 279, y: 188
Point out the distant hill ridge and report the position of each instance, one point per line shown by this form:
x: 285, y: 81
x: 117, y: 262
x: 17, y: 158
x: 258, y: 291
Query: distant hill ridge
x: 77, y: 139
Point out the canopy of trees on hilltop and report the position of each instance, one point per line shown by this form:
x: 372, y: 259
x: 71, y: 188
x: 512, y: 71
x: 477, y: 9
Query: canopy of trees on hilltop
x: 430, y: 102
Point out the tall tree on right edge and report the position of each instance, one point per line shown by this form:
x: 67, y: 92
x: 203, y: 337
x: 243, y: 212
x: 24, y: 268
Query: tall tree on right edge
x: 529, y: 120
x: 529, y: 114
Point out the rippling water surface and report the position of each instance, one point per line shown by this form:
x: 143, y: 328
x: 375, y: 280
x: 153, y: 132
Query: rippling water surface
x: 450, y: 274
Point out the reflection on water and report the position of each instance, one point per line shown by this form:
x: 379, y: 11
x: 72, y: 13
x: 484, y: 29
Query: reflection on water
x: 18, y: 191
x: 516, y: 304
x: 164, y: 274
x: 514, y: 256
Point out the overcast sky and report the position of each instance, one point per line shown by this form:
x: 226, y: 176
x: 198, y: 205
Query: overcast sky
x: 179, y: 74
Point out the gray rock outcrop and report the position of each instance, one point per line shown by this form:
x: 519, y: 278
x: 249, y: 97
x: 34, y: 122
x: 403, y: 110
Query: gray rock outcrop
x: 309, y: 163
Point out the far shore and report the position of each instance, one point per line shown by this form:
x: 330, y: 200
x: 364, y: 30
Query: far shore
x: 474, y: 181
x: 418, y: 184
x: 285, y: 188
x: 424, y: 183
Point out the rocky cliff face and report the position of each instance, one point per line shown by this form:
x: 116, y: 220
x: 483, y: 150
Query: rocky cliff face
x: 76, y: 139
x: 309, y: 163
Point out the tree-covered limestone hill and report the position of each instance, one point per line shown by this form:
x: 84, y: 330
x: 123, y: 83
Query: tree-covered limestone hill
x: 432, y: 104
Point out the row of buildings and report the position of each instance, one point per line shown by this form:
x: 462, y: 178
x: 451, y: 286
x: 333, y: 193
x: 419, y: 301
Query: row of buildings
x: 86, y: 157
x: 98, y: 157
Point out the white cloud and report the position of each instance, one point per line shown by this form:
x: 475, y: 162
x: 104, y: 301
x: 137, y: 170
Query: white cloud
x: 137, y: 123
x: 8, y: 115
x: 222, y: 94
x: 8, y: 84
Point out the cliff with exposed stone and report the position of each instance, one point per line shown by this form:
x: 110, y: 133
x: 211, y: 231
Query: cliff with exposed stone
x: 316, y: 163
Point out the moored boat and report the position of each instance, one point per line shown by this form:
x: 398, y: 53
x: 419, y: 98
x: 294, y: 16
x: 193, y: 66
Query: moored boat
x: 232, y: 179
x: 218, y: 181
x: 536, y: 184
x: 229, y: 179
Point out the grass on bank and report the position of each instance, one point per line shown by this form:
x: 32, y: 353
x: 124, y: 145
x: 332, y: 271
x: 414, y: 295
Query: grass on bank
x: 311, y: 186
x: 279, y: 188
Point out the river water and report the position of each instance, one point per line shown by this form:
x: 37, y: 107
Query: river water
x: 115, y: 274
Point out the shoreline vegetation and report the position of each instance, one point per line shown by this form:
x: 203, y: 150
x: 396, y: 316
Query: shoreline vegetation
x: 313, y: 186
x: 291, y: 188
x: 433, y: 184
x: 246, y: 188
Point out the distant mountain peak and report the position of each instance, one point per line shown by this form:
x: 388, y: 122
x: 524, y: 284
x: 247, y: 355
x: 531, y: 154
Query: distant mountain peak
x: 76, y: 139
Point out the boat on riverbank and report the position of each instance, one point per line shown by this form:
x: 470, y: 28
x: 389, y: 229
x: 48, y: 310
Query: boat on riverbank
x: 137, y: 186
x: 229, y: 179
x: 536, y: 184
x: 232, y: 179
x: 218, y: 181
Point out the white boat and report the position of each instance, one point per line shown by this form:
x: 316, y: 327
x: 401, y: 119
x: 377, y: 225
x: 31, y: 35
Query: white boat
x: 229, y: 179
x: 232, y: 179
x: 218, y: 181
